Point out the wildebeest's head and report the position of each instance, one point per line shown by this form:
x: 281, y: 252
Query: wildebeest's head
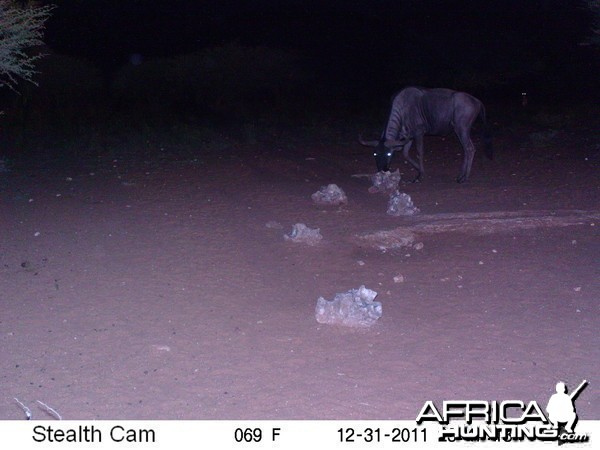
x: 383, y: 151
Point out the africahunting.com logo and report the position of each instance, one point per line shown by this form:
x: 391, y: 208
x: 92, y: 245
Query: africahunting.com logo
x: 509, y: 420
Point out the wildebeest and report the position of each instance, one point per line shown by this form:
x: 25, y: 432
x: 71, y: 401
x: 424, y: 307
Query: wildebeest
x: 417, y: 112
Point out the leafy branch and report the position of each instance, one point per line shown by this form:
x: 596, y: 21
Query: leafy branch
x: 20, y: 30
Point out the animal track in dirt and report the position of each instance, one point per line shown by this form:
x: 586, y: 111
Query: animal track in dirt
x: 408, y: 234
x: 499, y: 221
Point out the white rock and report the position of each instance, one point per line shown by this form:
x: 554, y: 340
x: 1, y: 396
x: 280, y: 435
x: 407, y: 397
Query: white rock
x: 385, y: 181
x: 302, y: 234
x: 400, y: 204
x: 330, y: 195
x: 354, y: 308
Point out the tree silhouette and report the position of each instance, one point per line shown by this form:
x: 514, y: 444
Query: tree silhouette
x: 21, y: 28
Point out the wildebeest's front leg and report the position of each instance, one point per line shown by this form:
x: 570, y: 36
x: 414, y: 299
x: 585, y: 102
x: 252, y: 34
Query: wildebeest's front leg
x: 418, y: 166
x: 469, y: 149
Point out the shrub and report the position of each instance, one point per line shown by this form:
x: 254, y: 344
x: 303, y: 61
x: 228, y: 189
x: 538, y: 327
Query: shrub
x: 20, y: 30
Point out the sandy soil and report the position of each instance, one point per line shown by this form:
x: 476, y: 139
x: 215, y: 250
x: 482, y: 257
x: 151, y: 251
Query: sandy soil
x: 137, y: 290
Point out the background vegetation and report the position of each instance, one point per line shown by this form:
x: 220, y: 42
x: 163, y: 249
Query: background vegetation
x: 106, y: 84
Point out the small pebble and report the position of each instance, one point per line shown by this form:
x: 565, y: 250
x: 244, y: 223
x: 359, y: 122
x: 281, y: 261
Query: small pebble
x: 399, y: 278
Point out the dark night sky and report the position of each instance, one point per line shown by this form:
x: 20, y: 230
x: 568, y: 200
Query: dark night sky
x: 353, y: 43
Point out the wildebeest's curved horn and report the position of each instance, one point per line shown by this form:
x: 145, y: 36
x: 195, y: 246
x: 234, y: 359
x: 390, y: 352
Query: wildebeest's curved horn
x: 368, y: 143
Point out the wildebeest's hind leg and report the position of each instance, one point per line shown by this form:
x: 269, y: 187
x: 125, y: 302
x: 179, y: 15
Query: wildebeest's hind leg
x: 418, y: 166
x: 469, y: 149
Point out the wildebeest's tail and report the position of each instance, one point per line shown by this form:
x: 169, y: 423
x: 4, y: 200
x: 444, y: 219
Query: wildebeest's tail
x: 487, y: 135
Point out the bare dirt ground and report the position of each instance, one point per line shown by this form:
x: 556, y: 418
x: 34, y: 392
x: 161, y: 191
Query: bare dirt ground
x: 138, y: 290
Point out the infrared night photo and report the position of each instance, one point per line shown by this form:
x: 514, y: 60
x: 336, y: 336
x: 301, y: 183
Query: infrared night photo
x: 312, y: 210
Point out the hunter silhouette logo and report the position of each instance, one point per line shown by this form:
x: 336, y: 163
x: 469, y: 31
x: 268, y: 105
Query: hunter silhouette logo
x: 561, y: 408
x: 508, y: 420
